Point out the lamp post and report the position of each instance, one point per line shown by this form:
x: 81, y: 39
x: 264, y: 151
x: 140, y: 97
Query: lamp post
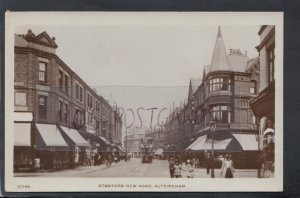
x: 212, y: 127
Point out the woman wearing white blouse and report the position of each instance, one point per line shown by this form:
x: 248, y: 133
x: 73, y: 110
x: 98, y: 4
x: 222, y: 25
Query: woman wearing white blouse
x: 227, y: 166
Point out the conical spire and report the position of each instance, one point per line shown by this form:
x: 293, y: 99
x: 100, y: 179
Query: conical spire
x: 219, y: 60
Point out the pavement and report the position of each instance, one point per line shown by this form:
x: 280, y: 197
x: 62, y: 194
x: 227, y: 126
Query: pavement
x: 133, y: 168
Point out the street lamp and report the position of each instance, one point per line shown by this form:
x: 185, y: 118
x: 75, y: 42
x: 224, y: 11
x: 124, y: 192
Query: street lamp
x: 212, y: 127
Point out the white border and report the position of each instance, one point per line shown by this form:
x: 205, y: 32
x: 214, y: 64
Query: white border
x: 13, y: 19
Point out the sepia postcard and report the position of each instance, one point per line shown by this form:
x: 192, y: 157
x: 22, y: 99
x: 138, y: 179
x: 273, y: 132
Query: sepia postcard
x: 133, y: 101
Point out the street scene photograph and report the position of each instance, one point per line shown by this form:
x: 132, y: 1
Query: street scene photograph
x: 153, y: 101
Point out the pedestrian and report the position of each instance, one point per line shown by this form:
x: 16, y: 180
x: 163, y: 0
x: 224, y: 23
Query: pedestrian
x: 227, y: 166
x: 171, y: 167
x: 177, y: 169
x: 190, y: 169
x: 208, y: 163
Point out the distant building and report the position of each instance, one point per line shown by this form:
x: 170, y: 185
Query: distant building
x: 132, y: 144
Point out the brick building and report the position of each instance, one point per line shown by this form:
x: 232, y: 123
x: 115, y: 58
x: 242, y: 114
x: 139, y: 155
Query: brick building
x: 263, y: 105
x: 66, y: 119
x: 223, y: 97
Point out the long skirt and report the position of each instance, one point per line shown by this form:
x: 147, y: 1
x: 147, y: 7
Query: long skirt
x: 228, y: 173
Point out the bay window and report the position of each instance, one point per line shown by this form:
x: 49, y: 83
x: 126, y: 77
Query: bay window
x: 221, y: 114
x: 219, y: 84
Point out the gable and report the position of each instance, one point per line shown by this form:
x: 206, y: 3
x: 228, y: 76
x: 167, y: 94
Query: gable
x: 44, y: 39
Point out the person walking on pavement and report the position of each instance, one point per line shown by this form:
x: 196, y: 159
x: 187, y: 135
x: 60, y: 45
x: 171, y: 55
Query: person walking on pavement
x: 177, y: 169
x: 227, y: 166
x: 172, y: 168
x: 208, y: 163
x: 190, y: 169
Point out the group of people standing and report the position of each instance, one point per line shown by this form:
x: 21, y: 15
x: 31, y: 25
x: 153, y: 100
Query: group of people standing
x: 96, y: 159
x: 176, y: 168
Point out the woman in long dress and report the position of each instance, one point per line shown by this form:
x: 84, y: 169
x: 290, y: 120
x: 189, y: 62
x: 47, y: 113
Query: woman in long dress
x: 227, y: 167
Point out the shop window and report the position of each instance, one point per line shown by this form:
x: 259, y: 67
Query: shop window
x: 42, y: 71
x: 43, y: 107
x: 219, y: 84
x: 271, y: 59
x: 221, y: 114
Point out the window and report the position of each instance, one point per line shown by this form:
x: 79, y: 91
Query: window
x: 219, y: 84
x: 90, y: 101
x: 42, y: 71
x: 253, y: 87
x: 60, y: 110
x: 271, y: 58
x: 221, y: 114
x: 97, y: 127
x: 66, y: 112
x: 60, y: 79
x: 43, y: 107
x: 67, y: 84
x: 80, y: 94
x: 77, y: 92
x: 97, y: 107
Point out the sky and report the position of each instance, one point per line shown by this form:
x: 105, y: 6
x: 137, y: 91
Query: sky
x: 145, y: 66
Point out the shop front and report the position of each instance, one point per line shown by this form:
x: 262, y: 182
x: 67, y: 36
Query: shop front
x: 52, y: 151
x: 77, y: 144
x: 23, y: 149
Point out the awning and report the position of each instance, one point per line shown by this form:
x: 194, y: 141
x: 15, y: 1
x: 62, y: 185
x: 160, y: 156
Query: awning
x: 22, y: 133
x: 75, y: 136
x: 198, y: 144
x: 249, y: 142
x: 104, y: 140
x: 121, y: 148
x: 51, y: 136
x: 159, y: 151
x: 218, y: 144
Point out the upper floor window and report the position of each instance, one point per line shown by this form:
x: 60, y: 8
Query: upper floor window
x: 42, y: 107
x: 60, y: 79
x: 221, y: 114
x: 42, y: 71
x: 67, y: 84
x: 60, y: 110
x: 219, y: 84
x: 97, y: 107
x: 66, y: 112
x: 270, y: 63
x: 253, y: 87
x: 79, y: 92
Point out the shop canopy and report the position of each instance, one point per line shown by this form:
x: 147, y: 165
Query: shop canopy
x: 51, y: 137
x: 22, y: 133
x: 197, y: 144
x: 104, y: 140
x: 75, y: 136
x: 219, y: 145
x: 159, y: 151
x: 249, y: 142
x: 121, y: 148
